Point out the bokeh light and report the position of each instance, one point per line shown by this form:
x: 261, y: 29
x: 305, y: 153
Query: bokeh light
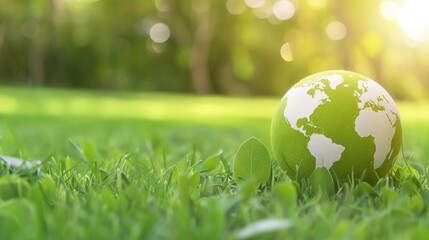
x: 254, y: 3
x: 30, y: 29
x: 159, y: 33
x: 336, y: 30
x: 411, y: 15
x: 234, y: 42
x: 286, y: 52
x: 235, y: 6
x: 263, y: 12
x: 283, y: 9
x: 162, y: 5
x: 389, y: 10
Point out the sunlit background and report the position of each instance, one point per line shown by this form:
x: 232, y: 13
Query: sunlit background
x: 233, y: 47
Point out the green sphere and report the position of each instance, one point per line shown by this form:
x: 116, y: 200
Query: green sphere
x: 339, y: 120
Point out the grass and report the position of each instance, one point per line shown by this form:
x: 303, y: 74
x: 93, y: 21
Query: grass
x: 157, y: 166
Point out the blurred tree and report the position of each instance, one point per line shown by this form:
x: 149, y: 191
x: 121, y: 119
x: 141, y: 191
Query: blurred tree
x: 210, y: 46
x: 192, y: 23
x: 2, y: 33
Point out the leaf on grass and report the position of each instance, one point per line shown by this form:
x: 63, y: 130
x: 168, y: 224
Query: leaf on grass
x: 210, y: 164
x: 321, y: 180
x: 264, y: 226
x: 252, y: 163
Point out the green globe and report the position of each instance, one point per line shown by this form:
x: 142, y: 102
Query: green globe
x: 339, y: 120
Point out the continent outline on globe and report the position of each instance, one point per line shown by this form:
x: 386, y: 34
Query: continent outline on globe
x: 340, y: 120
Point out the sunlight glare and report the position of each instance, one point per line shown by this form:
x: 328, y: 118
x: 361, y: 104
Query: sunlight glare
x: 413, y: 18
x: 389, y: 10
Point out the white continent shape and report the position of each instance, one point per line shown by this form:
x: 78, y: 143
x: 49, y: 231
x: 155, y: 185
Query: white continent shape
x: 300, y: 104
x: 373, y: 123
x: 369, y: 122
x: 324, y: 150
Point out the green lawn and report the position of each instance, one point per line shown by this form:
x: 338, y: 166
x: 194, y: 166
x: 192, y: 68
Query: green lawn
x: 158, y: 166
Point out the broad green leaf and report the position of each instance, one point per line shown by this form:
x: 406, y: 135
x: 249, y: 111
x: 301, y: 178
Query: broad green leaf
x: 252, y: 163
x: 210, y: 164
x: 321, y: 180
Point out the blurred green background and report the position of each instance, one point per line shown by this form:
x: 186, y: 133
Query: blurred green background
x: 231, y: 47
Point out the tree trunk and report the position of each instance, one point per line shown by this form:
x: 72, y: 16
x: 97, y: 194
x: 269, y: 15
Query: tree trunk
x: 2, y: 34
x: 197, y: 40
x: 200, y: 54
x: 36, y: 69
x: 41, y: 44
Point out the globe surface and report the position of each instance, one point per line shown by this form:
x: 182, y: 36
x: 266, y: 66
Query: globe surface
x: 339, y: 120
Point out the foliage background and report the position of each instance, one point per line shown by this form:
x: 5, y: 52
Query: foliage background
x: 234, y: 47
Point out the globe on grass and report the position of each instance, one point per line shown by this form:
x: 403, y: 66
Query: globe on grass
x: 339, y: 120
